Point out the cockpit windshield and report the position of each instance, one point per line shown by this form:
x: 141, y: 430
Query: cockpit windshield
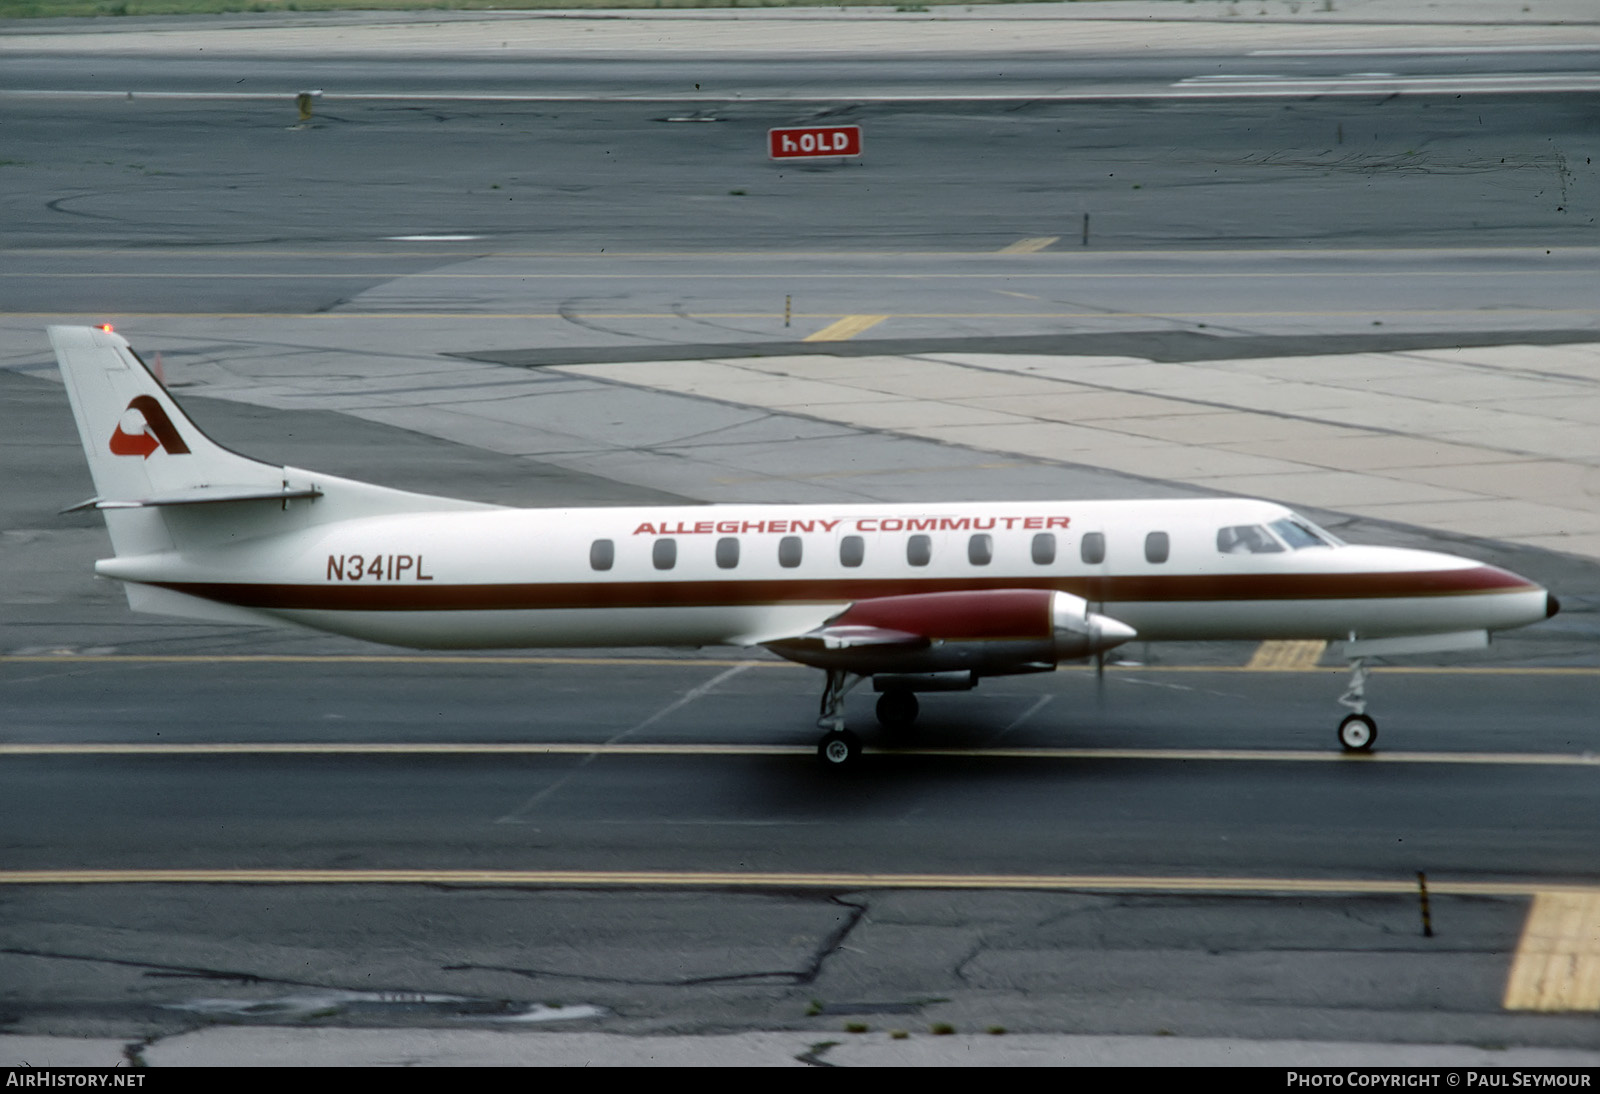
x: 1299, y: 533
x: 1295, y: 532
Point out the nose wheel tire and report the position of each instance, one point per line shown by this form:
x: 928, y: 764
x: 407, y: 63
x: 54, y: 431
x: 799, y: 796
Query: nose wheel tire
x: 839, y: 749
x: 1357, y: 733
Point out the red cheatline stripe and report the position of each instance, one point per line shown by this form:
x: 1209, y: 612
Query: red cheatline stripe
x: 1108, y: 591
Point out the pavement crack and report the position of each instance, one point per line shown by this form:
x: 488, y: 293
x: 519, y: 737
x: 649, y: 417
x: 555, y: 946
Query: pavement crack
x: 152, y: 968
x: 807, y: 973
x: 775, y: 977
x: 979, y: 947
x: 834, y: 942
x: 134, y: 1051
x: 812, y: 1057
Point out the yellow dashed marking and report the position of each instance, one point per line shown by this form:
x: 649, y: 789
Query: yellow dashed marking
x: 846, y: 328
x: 1557, y: 967
x: 1029, y: 246
x: 1297, y: 656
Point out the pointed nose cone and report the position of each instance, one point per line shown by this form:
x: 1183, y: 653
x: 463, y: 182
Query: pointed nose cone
x: 1109, y: 633
x: 1551, y: 606
x: 1082, y: 633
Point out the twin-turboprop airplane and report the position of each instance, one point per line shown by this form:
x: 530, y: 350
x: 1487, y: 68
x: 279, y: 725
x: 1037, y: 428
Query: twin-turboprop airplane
x: 924, y: 597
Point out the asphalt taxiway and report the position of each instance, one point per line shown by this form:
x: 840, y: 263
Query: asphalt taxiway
x: 207, y: 824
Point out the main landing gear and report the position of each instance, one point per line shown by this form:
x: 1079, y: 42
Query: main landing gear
x: 897, y: 709
x: 838, y: 748
x: 1358, y: 731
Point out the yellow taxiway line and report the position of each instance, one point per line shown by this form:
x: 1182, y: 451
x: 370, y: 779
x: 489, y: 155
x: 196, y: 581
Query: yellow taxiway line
x: 580, y: 748
x: 778, y: 879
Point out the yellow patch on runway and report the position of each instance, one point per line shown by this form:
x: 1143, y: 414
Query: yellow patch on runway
x: 846, y: 328
x: 1029, y: 246
x: 1557, y: 967
x: 1287, y: 656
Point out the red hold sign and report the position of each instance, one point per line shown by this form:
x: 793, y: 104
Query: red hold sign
x: 825, y: 140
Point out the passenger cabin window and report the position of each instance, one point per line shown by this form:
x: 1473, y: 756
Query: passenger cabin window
x: 1247, y: 539
x: 852, y: 550
x: 1157, y: 546
x: 980, y: 549
x: 664, y: 554
x: 602, y: 554
x: 727, y: 552
x: 789, y: 552
x: 1093, y: 548
x: 919, y: 550
x: 1044, y: 548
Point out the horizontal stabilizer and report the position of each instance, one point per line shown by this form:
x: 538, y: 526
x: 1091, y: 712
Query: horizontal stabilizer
x: 201, y: 495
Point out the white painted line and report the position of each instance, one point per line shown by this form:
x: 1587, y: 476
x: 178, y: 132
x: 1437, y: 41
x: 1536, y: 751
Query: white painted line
x: 1419, y: 51
x: 1459, y: 85
x: 1243, y: 87
x: 1025, y: 715
x: 516, y: 815
x: 433, y: 238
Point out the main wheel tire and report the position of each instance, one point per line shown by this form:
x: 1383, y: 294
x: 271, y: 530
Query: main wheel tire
x: 839, y: 749
x: 1357, y: 733
x: 897, y: 709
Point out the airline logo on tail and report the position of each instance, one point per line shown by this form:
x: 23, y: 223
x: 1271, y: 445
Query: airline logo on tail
x: 145, y: 427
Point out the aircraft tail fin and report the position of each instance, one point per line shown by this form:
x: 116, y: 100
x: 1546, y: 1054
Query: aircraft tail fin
x: 164, y: 485
x: 139, y: 443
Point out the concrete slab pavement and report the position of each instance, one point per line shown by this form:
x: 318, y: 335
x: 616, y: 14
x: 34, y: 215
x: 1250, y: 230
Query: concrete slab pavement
x: 1492, y: 441
x: 1077, y: 28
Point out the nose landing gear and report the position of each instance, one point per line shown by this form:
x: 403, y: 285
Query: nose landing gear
x: 1357, y: 732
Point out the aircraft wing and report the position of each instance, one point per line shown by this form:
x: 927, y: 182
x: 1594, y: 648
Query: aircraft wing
x: 845, y: 636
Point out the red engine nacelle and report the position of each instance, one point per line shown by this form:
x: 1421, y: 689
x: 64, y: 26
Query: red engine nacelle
x: 987, y: 632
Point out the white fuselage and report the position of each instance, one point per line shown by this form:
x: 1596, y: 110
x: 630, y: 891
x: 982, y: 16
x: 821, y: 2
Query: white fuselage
x: 742, y: 574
